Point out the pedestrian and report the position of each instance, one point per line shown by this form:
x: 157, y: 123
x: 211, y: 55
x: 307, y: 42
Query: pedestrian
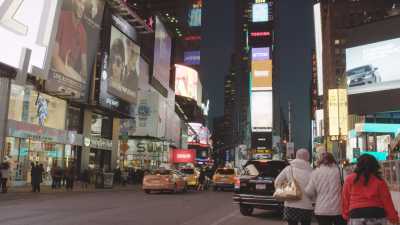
x: 325, y: 186
x: 42, y: 172
x: 36, y: 177
x: 5, y: 173
x: 299, y: 211
x: 202, y: 179
x: 69, y: 178
x: 366, y: 196
x: 53, y: 173
x: 58, y: 177
x: 85, y: 178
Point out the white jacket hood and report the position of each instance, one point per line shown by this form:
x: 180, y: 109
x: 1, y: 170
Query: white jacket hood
x: 301, y: 164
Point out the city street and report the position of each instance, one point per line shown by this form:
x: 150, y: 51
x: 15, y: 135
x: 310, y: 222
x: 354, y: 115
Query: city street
x: 128, y: 207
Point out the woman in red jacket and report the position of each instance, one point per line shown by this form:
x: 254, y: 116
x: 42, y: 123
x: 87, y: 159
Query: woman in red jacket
x: 366, y: 197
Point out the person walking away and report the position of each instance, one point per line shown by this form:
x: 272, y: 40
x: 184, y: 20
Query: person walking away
x: 366, y: 198
x: 85, y: 178
x: 202, y: 179
x: 5, y: 173
x: 53, y: 173
x: 325, y: 186
x: 69, y: 177
x: 36, y: 174
x: 42, y: 174
x: 299, y: 211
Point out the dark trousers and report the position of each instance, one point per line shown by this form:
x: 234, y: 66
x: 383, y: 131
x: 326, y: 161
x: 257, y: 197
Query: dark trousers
x: 304, y: 222
x: 70, y: 183
x: 3, y: 183
x: 330, y: 220
x: 36, y: 187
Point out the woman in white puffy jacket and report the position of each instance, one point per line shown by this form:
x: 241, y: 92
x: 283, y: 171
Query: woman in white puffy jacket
x: 299, y: 211
x: 325, y: 187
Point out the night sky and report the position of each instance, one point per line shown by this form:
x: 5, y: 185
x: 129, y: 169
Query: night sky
x: 294, y: 47
x: 216, y: 49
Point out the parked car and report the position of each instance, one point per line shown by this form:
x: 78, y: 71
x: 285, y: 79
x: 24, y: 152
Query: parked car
x: 254, y: 187
x: 191, y: 176
x: 164, y: 180
x: 224, y: 178
x: 363, y: 75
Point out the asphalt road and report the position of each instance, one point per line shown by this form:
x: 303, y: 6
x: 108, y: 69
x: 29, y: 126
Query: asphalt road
x: 128, y: 208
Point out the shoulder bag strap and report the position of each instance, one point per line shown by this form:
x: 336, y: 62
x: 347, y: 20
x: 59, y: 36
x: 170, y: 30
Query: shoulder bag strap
x: 341, y: 175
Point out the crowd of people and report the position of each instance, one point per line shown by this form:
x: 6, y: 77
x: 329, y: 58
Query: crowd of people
x: 361, y: 198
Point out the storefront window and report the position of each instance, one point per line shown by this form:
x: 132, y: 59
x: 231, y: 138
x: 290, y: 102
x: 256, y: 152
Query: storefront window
x: 102, y: 126
x: 30, y: 106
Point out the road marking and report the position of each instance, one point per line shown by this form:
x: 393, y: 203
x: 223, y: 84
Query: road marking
x: 218, y: 222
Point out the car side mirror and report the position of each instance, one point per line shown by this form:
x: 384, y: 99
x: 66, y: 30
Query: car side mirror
x: 375, y: 69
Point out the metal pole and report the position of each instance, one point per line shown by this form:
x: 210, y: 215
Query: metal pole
x: 290, y: 120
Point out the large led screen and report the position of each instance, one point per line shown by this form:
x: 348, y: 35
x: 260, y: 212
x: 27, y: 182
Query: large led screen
x: 187, y: 82
x: 194, y: 19
x: 318, y: 46
x: 27, y: 24
x: 198, y: 134
x: 162, y: 54
x: 261, y: 111
x: 261, y: 69
x: 373, y: 67
x: 191, y: 58
x: 124, y: 67
x: 75, y: 48
x: 260, y: 12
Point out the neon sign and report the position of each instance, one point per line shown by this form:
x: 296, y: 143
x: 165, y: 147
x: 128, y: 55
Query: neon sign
x: 260, y: 34
x: 192, y: 38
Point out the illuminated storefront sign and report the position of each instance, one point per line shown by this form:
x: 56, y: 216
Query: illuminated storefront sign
x: 183, y: 156
x: 27, y: 24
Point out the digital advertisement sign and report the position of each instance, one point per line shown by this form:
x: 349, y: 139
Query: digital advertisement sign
x: 27, y: 24
x: 373, y: 67
x: 162, y: 54
x: 261, y: 111
x: 75, y: 48
x: 195, y: 17
x: 318, y: 46
x: 183, y: 156
x: 261, y: 69
x: 191, y: 58
x: 260, y: 12
x: 198, y: 134
x: 124, y: 67
x: 187, y: 82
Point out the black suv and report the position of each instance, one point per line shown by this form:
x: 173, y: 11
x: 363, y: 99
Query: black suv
x: 254, y: 188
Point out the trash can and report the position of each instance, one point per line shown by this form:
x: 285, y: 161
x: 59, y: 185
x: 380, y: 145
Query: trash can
x: 108, y: 180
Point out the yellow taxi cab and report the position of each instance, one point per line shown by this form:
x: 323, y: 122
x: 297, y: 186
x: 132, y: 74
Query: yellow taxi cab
x: 164, y: 180
x: 191, y: 176
x: 224, y: 178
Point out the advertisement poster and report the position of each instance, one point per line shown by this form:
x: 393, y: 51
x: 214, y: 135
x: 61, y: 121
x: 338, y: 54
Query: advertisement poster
x: 162, y: 54
x: 75, y: 48
x: 373, y: 67
x: 260, y: 12
x: 124, y: 67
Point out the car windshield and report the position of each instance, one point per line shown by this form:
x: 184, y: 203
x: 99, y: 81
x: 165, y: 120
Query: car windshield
x: 225, y: 171
x: 161, y: 172
x: 187, y: 171
x: 363, y: 69
x: 265, y: 169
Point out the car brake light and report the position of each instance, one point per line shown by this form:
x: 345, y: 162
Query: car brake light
x: 237, y: 183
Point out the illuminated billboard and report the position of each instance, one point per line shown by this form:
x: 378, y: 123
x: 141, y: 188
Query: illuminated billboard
x: 27, y: 24
x: 194, y: 19
x: 123, y: 73
x: 373, y: 67
x: 260, y: 12
x: 75, y: 49
x: 261, y: 78
x: 337, y: 110
x: 162, y: 54
x: 191, y: 58
x: 187, y: 82
x: 261, y: 111
x: 198, y: 134
x: 318, y: 46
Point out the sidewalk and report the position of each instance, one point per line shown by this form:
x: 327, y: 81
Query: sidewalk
x: 25, y: 192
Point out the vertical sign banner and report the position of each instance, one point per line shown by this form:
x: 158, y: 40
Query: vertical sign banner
x: 261, y: 111
x: 75, y: 48
x: 318, y: 46
x: 337, y: 109
x: 27, y: 24
x: 162, y: 54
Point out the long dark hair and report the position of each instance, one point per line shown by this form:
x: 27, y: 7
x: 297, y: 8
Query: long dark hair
x: 367, y: 165
x: 326, y: 159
